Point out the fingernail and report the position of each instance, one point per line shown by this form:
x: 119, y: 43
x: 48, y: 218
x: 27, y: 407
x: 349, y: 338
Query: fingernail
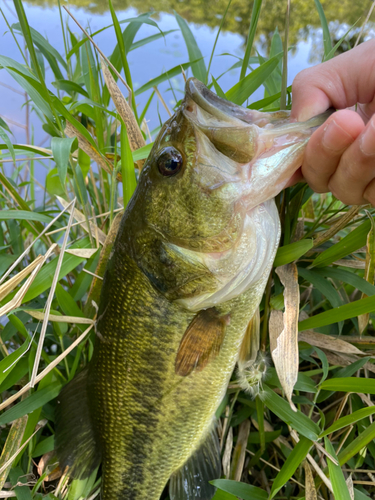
x: 335, y: 137
x: 367, y: 142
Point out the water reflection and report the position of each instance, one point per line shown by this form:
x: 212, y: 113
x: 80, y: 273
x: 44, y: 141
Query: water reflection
x: 303, y: 19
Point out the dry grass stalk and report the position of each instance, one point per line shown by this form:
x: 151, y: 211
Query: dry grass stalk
x: 11, y: 459
x: 81, y: 219
x: 11, y: 284
x: 162, y: 101
x: 27, y: 250
x: 340, y: 224
x: 50, y: 367
x: 18, y: 298
x: 86, y: 253
x: 239, y: 453
x: 283, y: 329
x: 59, y: 319
x: 310, y: 490
x: 135, y: 136
x: 12, y: 443
x: 49, y: 300
x: 85, y: 145
x: 104, y: 214
x: 227, y: 453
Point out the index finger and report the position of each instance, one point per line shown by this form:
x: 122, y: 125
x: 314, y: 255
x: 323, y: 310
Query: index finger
x: 340, y: 82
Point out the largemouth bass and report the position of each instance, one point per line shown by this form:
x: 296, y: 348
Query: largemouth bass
x: 187, y: 272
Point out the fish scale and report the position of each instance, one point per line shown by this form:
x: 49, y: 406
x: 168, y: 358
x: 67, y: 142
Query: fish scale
x: 173, y: 315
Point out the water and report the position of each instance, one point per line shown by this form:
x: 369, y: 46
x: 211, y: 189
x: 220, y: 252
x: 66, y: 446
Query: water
x: 149, y: 61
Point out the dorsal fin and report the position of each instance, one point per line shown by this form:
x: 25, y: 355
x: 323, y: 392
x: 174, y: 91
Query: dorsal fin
x: 201, y: 341
x: 191, y: 481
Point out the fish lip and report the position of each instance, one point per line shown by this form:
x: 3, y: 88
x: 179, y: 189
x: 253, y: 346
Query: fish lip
x: 213, y: 104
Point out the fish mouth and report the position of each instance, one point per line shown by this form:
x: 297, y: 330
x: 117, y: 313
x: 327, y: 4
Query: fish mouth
x: 260, y: 150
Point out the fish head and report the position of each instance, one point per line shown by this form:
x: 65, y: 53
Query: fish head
x: 204, y: 197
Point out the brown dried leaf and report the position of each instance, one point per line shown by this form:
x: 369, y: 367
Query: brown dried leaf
x: 239, y: 452
x: 135, y: 136
x: 82, y: 252
x: 327, y: 342
x: 284, y: 336
x: 84, y: 144
x: 310, y: 489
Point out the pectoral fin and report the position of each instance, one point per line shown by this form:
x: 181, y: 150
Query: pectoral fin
x: 191, y: 481
x: 201, y: 341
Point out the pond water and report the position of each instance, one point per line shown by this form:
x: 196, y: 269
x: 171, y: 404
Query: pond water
x: 147, y: 62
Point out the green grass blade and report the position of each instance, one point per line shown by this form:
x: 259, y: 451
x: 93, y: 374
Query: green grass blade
x: 142, y: 153
x: 353, y: 241
x: 326, y: 36
x: 356, y: 446
x: 163, y: 77
x: 257, y: 5
x: 195, y: 55
x: 216, y: 39
x: 8, y: 142
x: 23, y: 215
x: 219, y: 91
x: 244, y: 88
x: 340, y: 489
x: 347, y: 311
x: 149, y: 39
x: 343, y: 276
x: 10, y: 362
x: 61, y: 149
x: 350, y: 384
x: 351, y: 419
x: 293, y: 251
x: 332, y: 52
x: 36, y: 400
x: 291, y: 464
x: 242, y: 490
x: 299, y: 421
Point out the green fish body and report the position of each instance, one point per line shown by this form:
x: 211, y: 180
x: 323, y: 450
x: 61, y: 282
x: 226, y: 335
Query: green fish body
x: 187, y: 272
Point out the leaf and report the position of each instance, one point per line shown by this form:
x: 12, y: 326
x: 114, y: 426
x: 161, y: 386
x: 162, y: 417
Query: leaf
x: 341, y: 313
x: 353, y: 241
x: 350, y: 384
x: 143, y: 152
x: 340, y: 489
x: 351, y: 419
x: 219, y: 91
x: 23, y: 215
x: 284, y: 332
x: 198, y: 67
x: 163, y: 77
x: 7, y: 141
x: 7, y: 364
x: 291, y: 464
x: 244, y: 88
x: 356, y: 446
x: 61, y: 149
x: 300, y: 422
x: 250, y: 38
x: 326, y: 36
x: 31, y: 403
x: 241, y: 490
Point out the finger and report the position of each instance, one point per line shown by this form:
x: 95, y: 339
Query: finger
x: 353, y: 180
x: 340, y: 82
x: 326, y: 147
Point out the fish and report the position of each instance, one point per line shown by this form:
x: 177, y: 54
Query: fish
x: 181, y: 289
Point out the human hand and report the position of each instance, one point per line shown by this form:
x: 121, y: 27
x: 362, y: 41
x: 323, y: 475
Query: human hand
x: 340, y: 155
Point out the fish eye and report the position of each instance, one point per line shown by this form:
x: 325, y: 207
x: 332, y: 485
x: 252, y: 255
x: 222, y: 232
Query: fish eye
x: 170, y: 161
